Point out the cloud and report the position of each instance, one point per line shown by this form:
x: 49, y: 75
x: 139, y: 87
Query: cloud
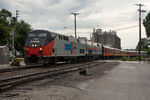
x: 56, y: 14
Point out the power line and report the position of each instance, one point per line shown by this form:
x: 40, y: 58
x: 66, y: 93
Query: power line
x: 127, y: 27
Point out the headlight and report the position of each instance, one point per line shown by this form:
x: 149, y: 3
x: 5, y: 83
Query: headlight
x: 40, y: 48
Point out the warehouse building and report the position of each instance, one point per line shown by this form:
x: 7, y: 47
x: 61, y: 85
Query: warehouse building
x: 106, y: 38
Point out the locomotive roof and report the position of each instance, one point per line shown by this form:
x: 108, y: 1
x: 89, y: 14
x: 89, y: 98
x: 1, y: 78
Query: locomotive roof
x: 71, y: 38
x: 55, y: 34
x: 38, y: 31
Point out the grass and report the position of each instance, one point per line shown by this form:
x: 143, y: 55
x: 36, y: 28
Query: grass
x: 16, y: 59
x: 135, y: 58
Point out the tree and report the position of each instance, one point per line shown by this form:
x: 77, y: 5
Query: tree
x: 5, y: 15
x: 143, y: 44
x: 22, y: 30
x: 146, y: 23
x: 4, y: 35
x: 148, y: 51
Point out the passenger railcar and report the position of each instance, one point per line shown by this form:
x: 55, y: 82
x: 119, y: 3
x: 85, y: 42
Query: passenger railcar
x: 113, y: 52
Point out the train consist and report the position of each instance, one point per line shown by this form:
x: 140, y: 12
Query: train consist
x: 48, y: 47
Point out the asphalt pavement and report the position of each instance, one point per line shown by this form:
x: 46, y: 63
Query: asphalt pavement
x: 128, y: 81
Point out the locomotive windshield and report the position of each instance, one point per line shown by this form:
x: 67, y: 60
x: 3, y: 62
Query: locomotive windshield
x: 42, y: 35
x: 32, y: 35
x: 38, y: 38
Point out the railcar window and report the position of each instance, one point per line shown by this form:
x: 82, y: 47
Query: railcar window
x: 32, y: 35
x: 67, y: 39
x: 81, y: 50
x: 64, y: 37
x: 59, y: 37
x: 42, y: 35
x: 78, y: 41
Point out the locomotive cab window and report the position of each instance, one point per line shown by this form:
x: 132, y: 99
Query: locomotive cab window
x: 42, y: 35
x: 32, y: 35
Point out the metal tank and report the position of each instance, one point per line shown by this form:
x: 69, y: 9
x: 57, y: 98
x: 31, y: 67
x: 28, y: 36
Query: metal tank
x: 4, y: 55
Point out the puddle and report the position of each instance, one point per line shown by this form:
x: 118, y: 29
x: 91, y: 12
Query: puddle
x: 86, y: 84
x: 130, y: 67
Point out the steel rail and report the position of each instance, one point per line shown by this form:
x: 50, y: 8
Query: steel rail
x: 17, y: 68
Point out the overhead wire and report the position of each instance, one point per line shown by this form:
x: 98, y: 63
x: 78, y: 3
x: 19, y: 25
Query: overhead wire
x: 127, y: 27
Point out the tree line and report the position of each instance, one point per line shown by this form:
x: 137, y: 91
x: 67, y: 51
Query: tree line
x: 146, y: 23
x: 144, y: 44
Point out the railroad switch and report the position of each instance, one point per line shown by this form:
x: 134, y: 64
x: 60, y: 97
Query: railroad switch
x: 83, y: 70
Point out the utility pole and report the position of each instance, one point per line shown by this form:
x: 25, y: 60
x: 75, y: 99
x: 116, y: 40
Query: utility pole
x: 13, y: 34
x: 140, y: 11
x: 12, y: 40
x: 75, y: 14
x: 17, y: 13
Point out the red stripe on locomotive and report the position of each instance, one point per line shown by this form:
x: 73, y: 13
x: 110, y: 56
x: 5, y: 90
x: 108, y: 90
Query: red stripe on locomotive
x: 72, y: 47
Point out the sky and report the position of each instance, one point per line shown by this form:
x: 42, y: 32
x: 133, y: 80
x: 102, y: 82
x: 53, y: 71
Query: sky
x: 54, y: 15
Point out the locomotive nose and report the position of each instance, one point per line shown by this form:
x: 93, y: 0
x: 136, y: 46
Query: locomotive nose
x: 32, y: 51
x: 46, y: 50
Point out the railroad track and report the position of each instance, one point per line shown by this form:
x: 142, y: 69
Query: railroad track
x: 8, y: 83
x: 22, y: 70
x: 19, y: 68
